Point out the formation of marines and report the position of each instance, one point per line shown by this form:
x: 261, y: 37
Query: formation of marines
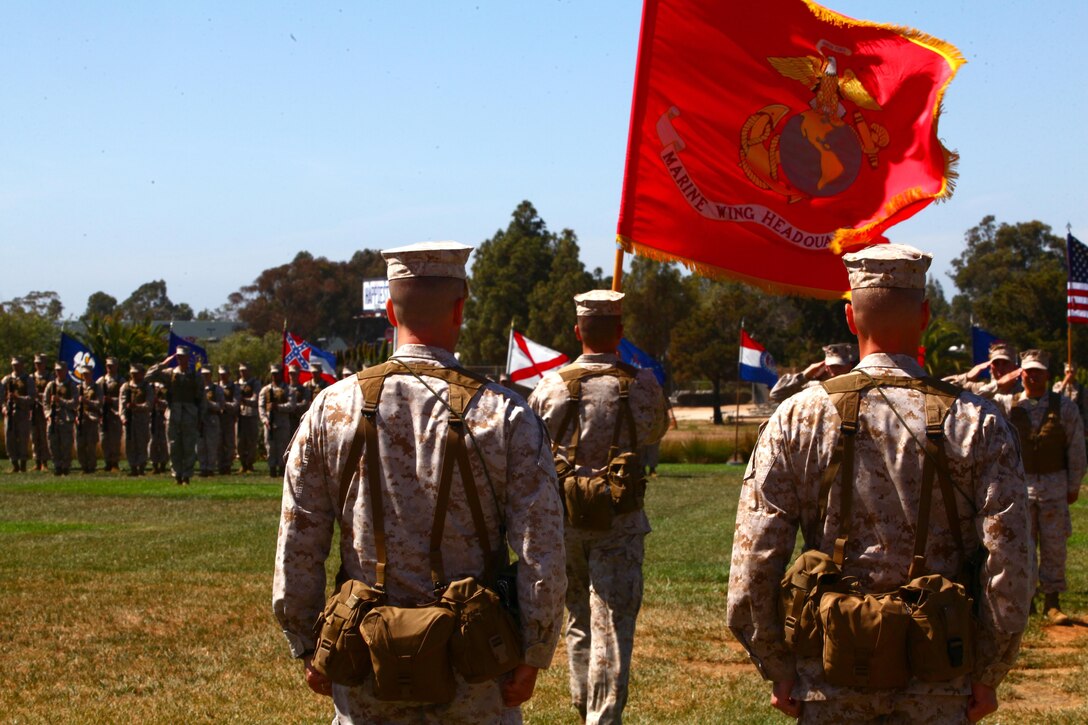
x: 168, y: 416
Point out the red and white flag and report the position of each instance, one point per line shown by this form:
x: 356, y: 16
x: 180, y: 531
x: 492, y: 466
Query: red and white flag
x: 528, y: 361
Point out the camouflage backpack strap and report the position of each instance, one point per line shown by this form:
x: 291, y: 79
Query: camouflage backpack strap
x: 624, y: 415
x: 845, y: 393
x: 571, y: 375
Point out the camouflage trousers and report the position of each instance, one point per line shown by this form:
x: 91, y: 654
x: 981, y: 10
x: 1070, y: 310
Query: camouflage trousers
x: 1050, y: 527
x: 87, y: 445
x: 137, y: 440
x: 111, y: 440
x: 472, y: 704
x: 60, y: 445
x: 604, y: 594
x: 226, y: 442
x: 887, y: 710
x: 248, y: 428
x: 182, y: 431
x: 40, y: 437
x: 17, y: 435
x: 207, y: 447
x: 158, y: 451
x: 276, y: 439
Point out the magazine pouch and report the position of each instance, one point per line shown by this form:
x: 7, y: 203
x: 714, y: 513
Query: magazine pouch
x: 865, y: 640
x: 409, y: 650
x: 811, y: 576
x: 486, y: 642
x: 627, y: 483
x: 341, y: 653
x: 941, y: 642
x: 588, y: 502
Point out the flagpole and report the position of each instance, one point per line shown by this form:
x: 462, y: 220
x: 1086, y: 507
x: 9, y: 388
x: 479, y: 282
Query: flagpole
x: 736, y: 414
x: 617, y: 270
x: 509, y: 347
x: 1068, y: 322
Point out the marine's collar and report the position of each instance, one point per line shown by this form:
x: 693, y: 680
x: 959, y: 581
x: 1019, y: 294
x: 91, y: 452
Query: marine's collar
x: 598, y: 357
x: 906, y: 363
x: 427, y: 352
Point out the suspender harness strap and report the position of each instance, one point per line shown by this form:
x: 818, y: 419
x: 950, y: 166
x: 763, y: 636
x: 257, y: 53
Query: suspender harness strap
x: 924, y: 629
x: 591, y: 502
x: 413, y: 651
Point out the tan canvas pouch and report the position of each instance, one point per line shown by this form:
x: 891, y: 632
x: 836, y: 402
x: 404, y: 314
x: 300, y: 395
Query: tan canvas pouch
x: 588, y: 502
x: 865, y: 640
x: 409, y: 650
x: 627, y: 483
x: 812, y: 574
x: 341, y: 653
x: 486, y: 642
x: 941, y: 643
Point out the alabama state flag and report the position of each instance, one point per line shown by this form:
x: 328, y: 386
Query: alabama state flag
x: 768, y: 137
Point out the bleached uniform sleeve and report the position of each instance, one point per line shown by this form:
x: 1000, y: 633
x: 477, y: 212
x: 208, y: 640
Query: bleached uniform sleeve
x: 534, y: 517
x: 1075, y: 463
x: 767, y: 522
x: 1002, y: 527
x: 305, y: 536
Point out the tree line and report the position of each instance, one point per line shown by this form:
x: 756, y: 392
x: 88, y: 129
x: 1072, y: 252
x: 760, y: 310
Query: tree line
x: 1010, y: 279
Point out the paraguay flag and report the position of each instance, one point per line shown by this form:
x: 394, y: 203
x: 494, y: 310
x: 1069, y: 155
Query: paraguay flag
x: 756, y: 364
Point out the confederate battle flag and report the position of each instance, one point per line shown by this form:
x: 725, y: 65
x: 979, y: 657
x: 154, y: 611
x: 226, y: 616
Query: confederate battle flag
x: 769, y: 137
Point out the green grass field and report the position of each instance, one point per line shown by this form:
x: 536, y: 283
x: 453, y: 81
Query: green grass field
x: 136, y: 600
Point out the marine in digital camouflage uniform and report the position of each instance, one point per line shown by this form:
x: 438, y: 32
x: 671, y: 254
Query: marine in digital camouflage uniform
x: 300, y: 395
x: 88, y: 420
x: 207, y: 447
x: 110, y: 425
x: 249, y: 418
x: 507, y: 439
x: 275, y: 405
x: 228, y: 422
x: 185, y: 396
x: 61, y: 401
x: 1003, y: 371
x: 781, y: 491
x: 39, y: 435
x: 18, y: 406
x: 1054, y: 472
x: 135, y: 406
x: 159, y: 450
x: 604, y: 569
x: 839, y: 358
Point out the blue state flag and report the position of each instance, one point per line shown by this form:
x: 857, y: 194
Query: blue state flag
x: 639, y: 358
x: 197, y: 354
x: 980, y: 346
x: 74, y: 354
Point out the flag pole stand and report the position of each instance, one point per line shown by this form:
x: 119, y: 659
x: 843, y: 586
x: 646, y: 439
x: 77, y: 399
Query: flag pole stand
x: 735, y: 459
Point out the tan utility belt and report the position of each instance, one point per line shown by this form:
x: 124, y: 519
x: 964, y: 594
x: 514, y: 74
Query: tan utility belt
x: 592, y: 502
x: 925, y: 629
x: 412, y: 652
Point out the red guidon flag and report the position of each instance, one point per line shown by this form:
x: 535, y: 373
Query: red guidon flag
x: 528, y: 361
x: 769, y: 137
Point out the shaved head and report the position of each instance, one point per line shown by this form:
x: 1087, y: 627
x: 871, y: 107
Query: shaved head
x: 601, y: 333
x: 428, y: 306
x: 888, y: 319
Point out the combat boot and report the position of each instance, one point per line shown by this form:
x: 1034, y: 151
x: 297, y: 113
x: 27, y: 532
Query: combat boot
x: 1053, y: 610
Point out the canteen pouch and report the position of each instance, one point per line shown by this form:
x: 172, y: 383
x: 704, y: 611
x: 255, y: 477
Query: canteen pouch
x: 941, y: 642
x: 812, y: 574
x: 341, y: 653
x: 627, y: 483
x: 409, y: 650
x: 486, y: 641
x: 588, y: 502
x: 865, y: 640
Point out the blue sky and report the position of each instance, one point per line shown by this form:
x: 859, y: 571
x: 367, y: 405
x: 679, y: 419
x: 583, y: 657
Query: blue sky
x: 202, y: 142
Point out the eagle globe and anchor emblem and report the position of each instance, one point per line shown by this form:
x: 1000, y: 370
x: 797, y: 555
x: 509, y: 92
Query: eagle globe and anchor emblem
x: 817, y: 152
